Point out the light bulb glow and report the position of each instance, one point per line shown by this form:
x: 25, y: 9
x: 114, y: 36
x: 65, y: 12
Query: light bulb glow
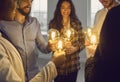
x: 93, y: 39
x: 68, y: 33
x: 89, y: 32
x: 60, y: 44
x: 53, y: 34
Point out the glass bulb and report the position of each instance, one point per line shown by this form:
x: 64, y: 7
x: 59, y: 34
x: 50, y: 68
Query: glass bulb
x: 53, y: 34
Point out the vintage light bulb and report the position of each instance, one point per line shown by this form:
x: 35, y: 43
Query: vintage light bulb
x: 68, y: 33
x: 93, y: 39
x: 60, y: 44
x: 53, y: 34
x: 89, y: 32
x: 59, y: 47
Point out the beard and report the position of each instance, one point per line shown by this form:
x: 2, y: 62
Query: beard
x: 21, y: 10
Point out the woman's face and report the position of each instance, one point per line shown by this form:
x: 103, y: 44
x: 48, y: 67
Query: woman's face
x: 65, y: 9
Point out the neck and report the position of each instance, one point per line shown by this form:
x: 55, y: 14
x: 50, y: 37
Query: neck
x: 66, y: 21
x: 20, y: 18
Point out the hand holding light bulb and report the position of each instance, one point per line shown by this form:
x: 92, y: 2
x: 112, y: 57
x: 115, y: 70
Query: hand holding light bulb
x: 53, y: 34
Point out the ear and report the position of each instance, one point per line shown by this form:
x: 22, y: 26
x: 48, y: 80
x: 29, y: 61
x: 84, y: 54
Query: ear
x: 18, y: 3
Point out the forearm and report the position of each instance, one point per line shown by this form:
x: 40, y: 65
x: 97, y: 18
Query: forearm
x: 47, y: 74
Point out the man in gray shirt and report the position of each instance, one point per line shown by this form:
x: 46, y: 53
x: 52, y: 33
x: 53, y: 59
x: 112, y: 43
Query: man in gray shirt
x: 25, y: 34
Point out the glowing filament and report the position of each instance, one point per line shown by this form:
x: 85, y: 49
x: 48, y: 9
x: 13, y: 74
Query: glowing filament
x: 68, y: 34
x: 89, y: 32
x: 60, y: 44
x: 93, y: 39
x: 53, y: 35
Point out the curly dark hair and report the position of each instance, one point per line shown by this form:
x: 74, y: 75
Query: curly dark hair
x: 56, y: 22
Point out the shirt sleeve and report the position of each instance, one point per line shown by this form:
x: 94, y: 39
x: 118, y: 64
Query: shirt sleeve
x: 41, y: 41
x: 7, y: 72
x: 47, y: 74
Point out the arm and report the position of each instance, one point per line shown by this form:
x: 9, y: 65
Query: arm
x: 7, y: 71
x: 9, y: 61
x: 47, y: 74
x: 41, y: 42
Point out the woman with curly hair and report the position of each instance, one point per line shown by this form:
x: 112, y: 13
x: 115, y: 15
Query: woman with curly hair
x: 65, y: 17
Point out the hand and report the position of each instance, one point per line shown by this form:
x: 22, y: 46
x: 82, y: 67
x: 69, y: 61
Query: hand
x: 59, y: 58
x: 87, y: 43
x: 68, y: 44
x: 71, y: 50
x: 52, y: 45
x: 90, y: 50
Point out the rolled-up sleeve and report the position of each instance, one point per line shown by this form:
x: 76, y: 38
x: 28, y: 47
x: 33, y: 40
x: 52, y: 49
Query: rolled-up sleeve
x: 41, y: 41
x: 47, y: 74
x: 7, y: 72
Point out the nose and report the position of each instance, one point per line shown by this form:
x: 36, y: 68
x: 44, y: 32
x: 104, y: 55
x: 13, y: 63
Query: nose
x: 66, y: 9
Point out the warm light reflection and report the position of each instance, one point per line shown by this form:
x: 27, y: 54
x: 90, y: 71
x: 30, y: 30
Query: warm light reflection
x: 68, y: 33
x: 60, y: 45
x: 53, y: 34
x: 89, y: 32
x: 93, y: 39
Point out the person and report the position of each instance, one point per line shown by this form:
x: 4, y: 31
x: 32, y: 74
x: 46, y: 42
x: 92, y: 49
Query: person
x: 11, y: 65
x: 4, y: 10
x: 118, y: 1
x: 101, y: 14
x: 65, y: 18
x: 25, y: 34
x: 106, y: 57
x: 98, y: 22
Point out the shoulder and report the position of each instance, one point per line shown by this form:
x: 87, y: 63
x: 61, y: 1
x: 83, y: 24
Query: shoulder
x: 7, y: 24
x: 115, y: 11
x: 113, y: 15
x: 113, y: 18
x: 32, y: 19
x: 101, y: 11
